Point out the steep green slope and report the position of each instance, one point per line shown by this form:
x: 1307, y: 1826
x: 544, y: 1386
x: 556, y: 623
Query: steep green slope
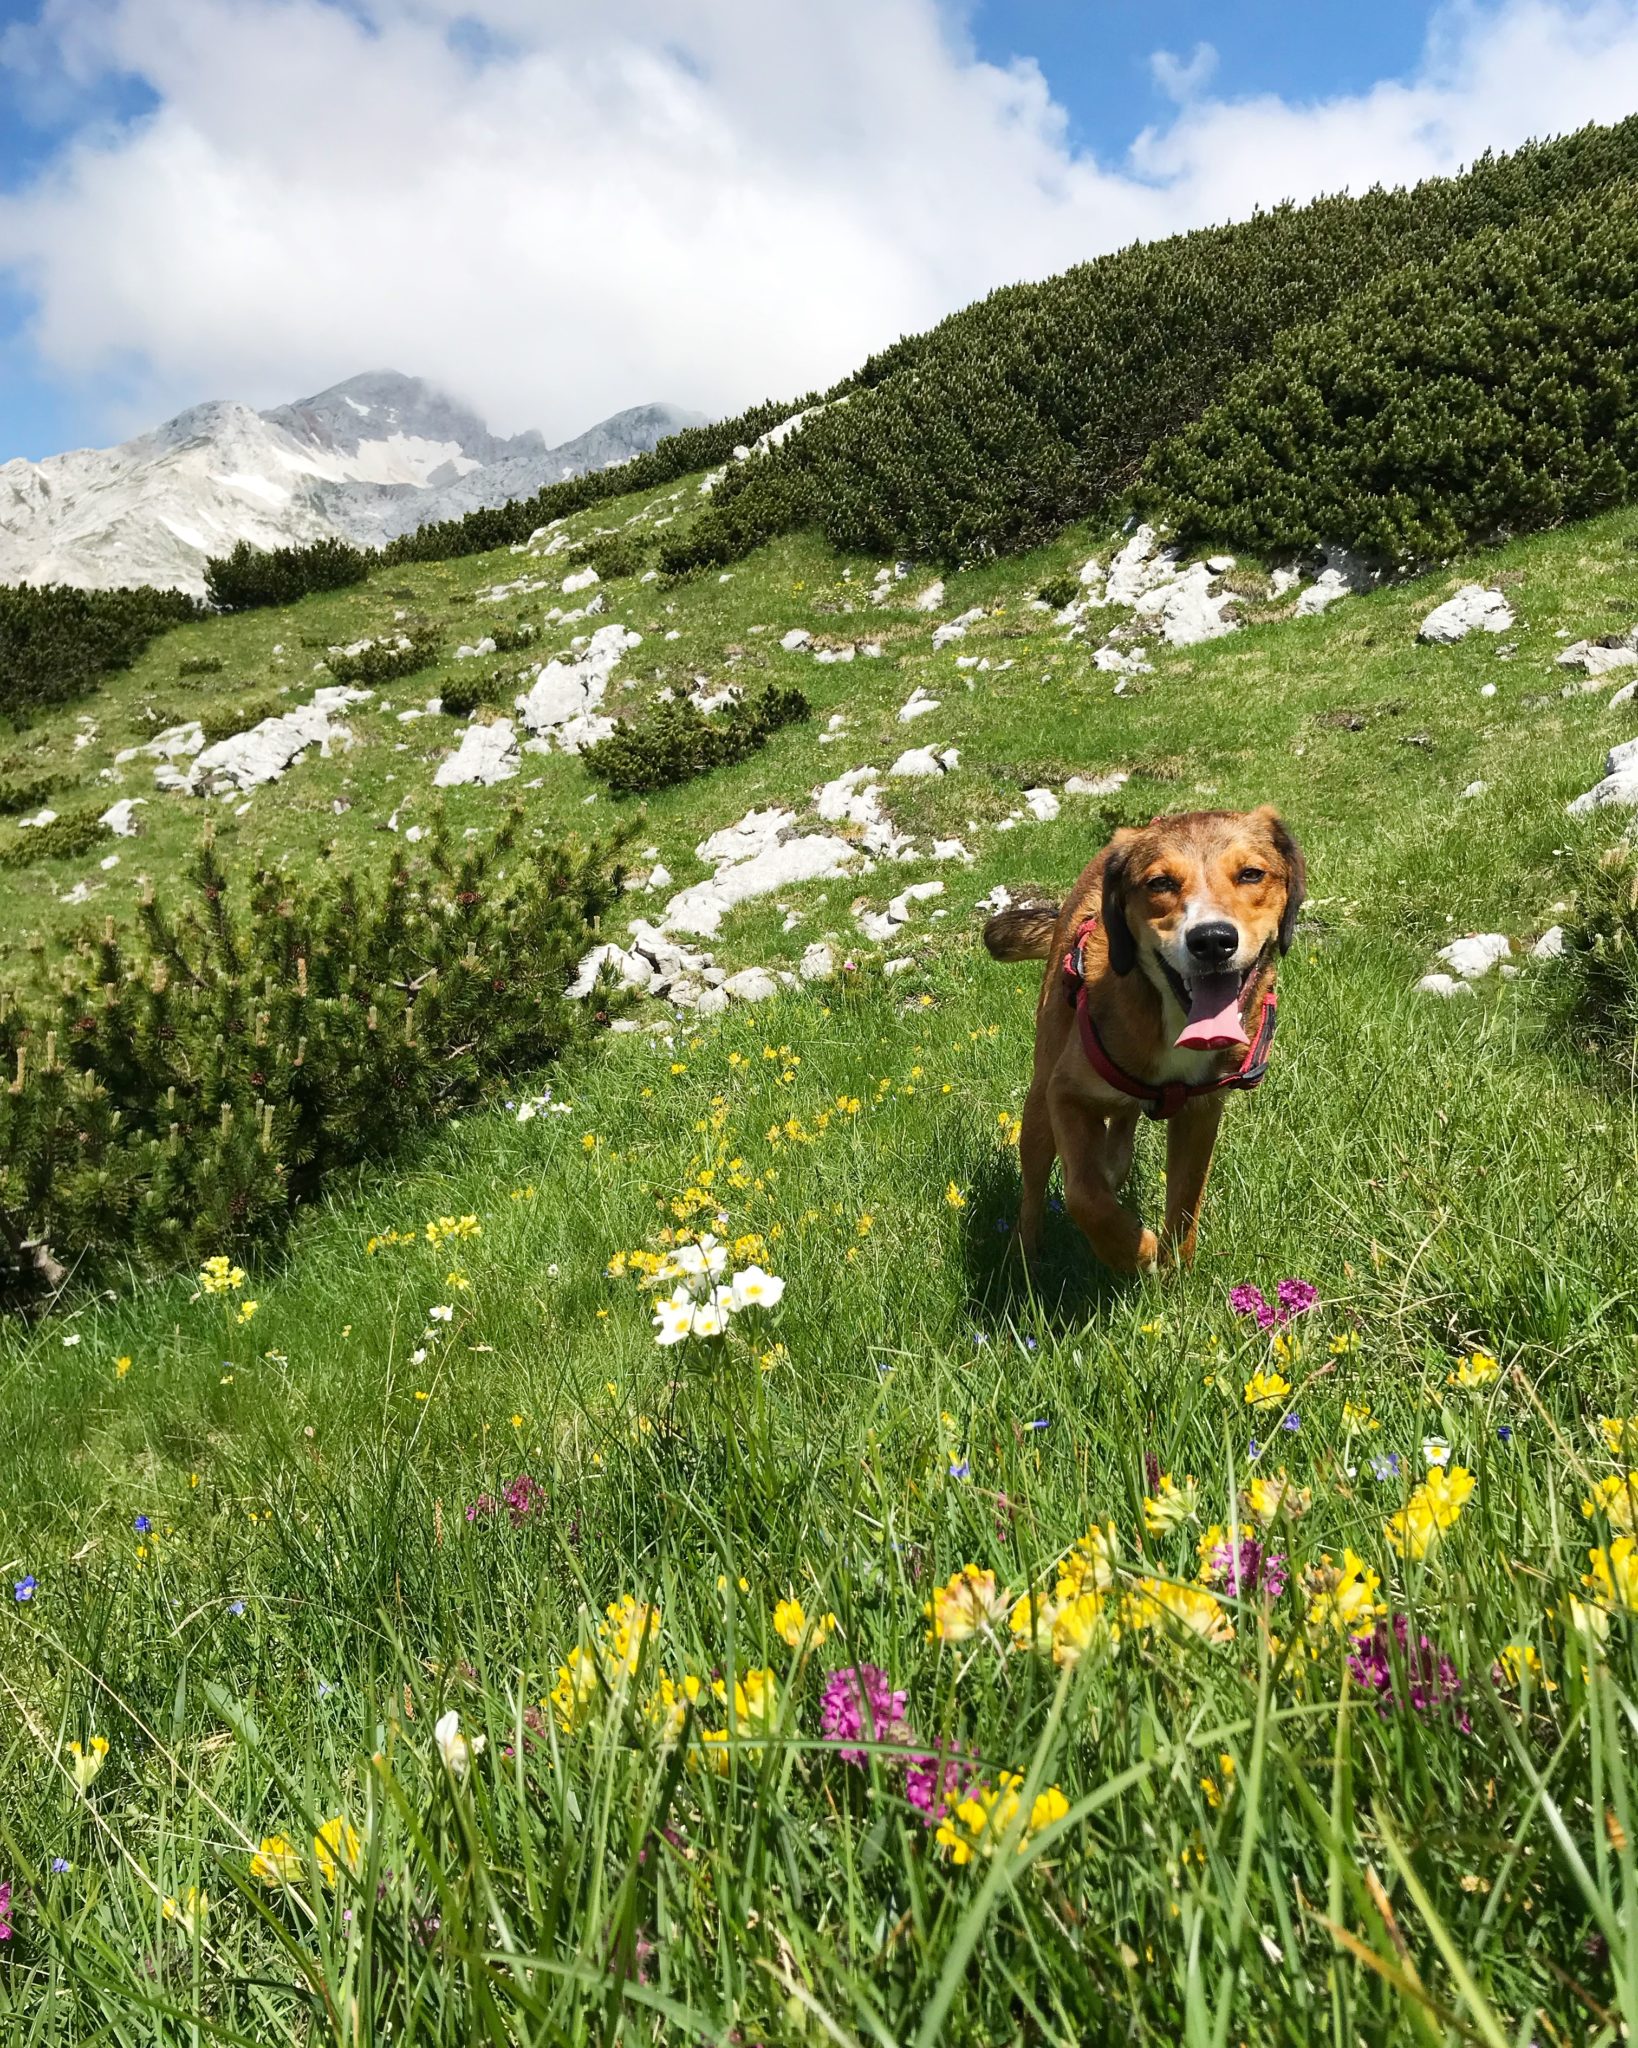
x: 268, y: 1533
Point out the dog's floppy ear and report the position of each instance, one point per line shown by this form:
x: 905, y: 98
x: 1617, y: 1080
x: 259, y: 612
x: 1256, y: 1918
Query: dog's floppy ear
x: 1122, y: 946
x: 1296, y: 874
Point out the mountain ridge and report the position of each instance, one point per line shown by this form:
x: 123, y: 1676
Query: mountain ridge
x: 365, y: 460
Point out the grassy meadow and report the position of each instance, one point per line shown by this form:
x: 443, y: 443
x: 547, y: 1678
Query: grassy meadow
x: 1316, y: 1724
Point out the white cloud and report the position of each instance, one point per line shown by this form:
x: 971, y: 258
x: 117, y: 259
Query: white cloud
x: 705, y: 200
x: 1182, y: 81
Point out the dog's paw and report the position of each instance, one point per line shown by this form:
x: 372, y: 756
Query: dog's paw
x: 1148, y: 1253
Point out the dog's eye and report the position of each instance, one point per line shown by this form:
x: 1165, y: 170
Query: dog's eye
x: 1248, y: 878
x: 1161, y: 885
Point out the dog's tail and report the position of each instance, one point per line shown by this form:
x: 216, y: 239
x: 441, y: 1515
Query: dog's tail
x: 1023, y: 931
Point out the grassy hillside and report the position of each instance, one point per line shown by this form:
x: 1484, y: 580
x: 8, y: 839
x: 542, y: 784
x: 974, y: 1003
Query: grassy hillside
x: 265, y: 1533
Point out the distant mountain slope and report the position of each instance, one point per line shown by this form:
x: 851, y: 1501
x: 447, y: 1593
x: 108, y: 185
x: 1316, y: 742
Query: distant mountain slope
x: 370, y: 458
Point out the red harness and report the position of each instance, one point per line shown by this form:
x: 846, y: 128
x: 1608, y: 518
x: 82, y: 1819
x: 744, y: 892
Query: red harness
x: 1169, y: 1097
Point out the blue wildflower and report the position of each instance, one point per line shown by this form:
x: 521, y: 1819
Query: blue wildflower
x: 141, y: 1524
x: 1385, y: 1467
x: 23, y: 1589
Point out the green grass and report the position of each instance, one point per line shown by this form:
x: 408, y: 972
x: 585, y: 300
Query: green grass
x: 276, y: 1649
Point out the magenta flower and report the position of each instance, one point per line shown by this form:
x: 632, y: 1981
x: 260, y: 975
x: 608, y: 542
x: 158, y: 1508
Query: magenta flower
x: 1247, y: 1300
x: 934, y: 1782
x: 1296, y: 1297
x: 1430, y: 1679
x: 1249, y: 1569
x: 524, y: 1497
x: 859, y: 1701
x: 5, y: 1910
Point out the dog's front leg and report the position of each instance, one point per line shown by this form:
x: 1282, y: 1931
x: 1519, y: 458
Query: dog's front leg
x: 1036, y: 1151
x: 1118, y: 1237
x: 1190, y: 1138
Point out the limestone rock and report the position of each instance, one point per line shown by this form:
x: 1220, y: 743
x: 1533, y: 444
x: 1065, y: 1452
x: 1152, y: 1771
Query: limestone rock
x: 916, y: 705
x: 818, y: 962
x: 1472, y: 958
x: 751, y: 985
x: 1619, y: 786
x: 487, y: 754
x: 926, y: 761
x: 1473, y: 608
x: 120, y: 818
x: 1442, y: 985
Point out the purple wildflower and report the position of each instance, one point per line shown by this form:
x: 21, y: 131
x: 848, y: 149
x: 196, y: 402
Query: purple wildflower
x: 59, y: 1864
x: 961, y: 1469
x: 934, y: 1782
x: 1291, y: 1421
x: 1247, y: 1300
x: 1249, y: 1569
x: 1296, y: 1297
x: 1385, y: 1467
x: 23, y: 1589
x: 481, y: 1509
x: 524, y: 1497
x: 859, y: 1701
x: 1430, y: 1679
x: 5, y: 1910
x: 141, y: 1524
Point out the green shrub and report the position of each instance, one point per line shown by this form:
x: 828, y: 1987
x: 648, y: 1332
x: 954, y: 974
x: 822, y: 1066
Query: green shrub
x: 1601, y: 952
x: 1486, y: 393
x: 56, y: 644
x: 200, y: 665
x: 1041, y: 404
x: 676, y: 741
x: 462, y: 697
x: 383, y: 661
x: 616, y: 555
x: 1059, y: 591
x: 65, y: 838
x: 181, y: 1089
x: 27, y: 791
x: 510, y: 639
x: 222, y: 721
x: 249, y: 576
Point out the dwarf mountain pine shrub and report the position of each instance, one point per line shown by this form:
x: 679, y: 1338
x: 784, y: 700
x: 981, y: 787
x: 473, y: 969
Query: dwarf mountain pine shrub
x: 384, y: 661
x: 1059, y: 591
x: 1486, y: 393
x: 249, y: 577
x: 57, y: 644
x: 65, y: 838
x: 200, y: 665
x: 615, y: 555
x: 177, y: 1089
x: 28, y: 790
x: 1041, y: 404
x: 221, y: 721
x: 1601, y: 953
x: 677, y: 741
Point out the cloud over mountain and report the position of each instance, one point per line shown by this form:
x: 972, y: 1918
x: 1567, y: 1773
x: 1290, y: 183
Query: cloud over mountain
x: 551, y: 208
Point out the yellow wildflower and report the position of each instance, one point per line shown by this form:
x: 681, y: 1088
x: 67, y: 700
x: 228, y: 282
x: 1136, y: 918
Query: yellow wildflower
x: 1431, y: 1509
x: 336, y: 1847
x: 954, y: 1198
x: 978, y: 1824
x: 1090, y: 1563
x: 216, y: 1276
x: 1191, y: 1607
x: 968, y: 1603
x: 1268, y: 1497
x: 1615, y: 1499
x: 578, y: 1684
x: 1080, y: 1627
x: 121, y: 1367
x: 1359, y: 1415
x: 1515, y: 1660
x: 276, y: 1862
x: 1171, y: 1505
x: 189, y: 1912
x: 86, y: 1764
x: 791, y: 1623
x: 1614, y: 1575
x: 1266, y: 1389
x: 1475, y: 1372
x: 246, y: 1310
x: 1620, y: 1434
x: 1343, y: 1601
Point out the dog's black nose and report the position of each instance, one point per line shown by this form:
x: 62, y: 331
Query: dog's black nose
x: 1214, y: 943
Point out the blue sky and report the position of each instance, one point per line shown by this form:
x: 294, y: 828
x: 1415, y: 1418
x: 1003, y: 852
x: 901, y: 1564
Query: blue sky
x: 558, y: 210
x: 1096, y: 53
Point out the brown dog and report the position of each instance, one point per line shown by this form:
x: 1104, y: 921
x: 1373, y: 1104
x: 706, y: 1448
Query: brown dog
x: 1158, y: 996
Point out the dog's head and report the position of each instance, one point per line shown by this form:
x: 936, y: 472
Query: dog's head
x: 1199, y: 902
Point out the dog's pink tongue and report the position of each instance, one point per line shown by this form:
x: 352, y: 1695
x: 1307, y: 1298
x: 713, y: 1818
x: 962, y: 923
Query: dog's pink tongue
x: 1214, y: 1014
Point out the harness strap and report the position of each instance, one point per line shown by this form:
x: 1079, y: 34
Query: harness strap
x: 1166, y: 1099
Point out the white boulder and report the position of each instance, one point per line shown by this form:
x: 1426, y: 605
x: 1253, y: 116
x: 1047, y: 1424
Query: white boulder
x: 751, y: 985
x: 1041, y: 804
x: 1473, y: 608
x: 487, y: 754
x: 796, y: 639
x: 120, y: 818
x: 926, y: 761
x: 916, y: 705
x: 1472, y: 958
x: 1442, y: 985
x: 580, y: 579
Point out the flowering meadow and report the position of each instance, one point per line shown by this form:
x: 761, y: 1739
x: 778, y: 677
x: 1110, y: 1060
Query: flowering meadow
x: 651, y: 1567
